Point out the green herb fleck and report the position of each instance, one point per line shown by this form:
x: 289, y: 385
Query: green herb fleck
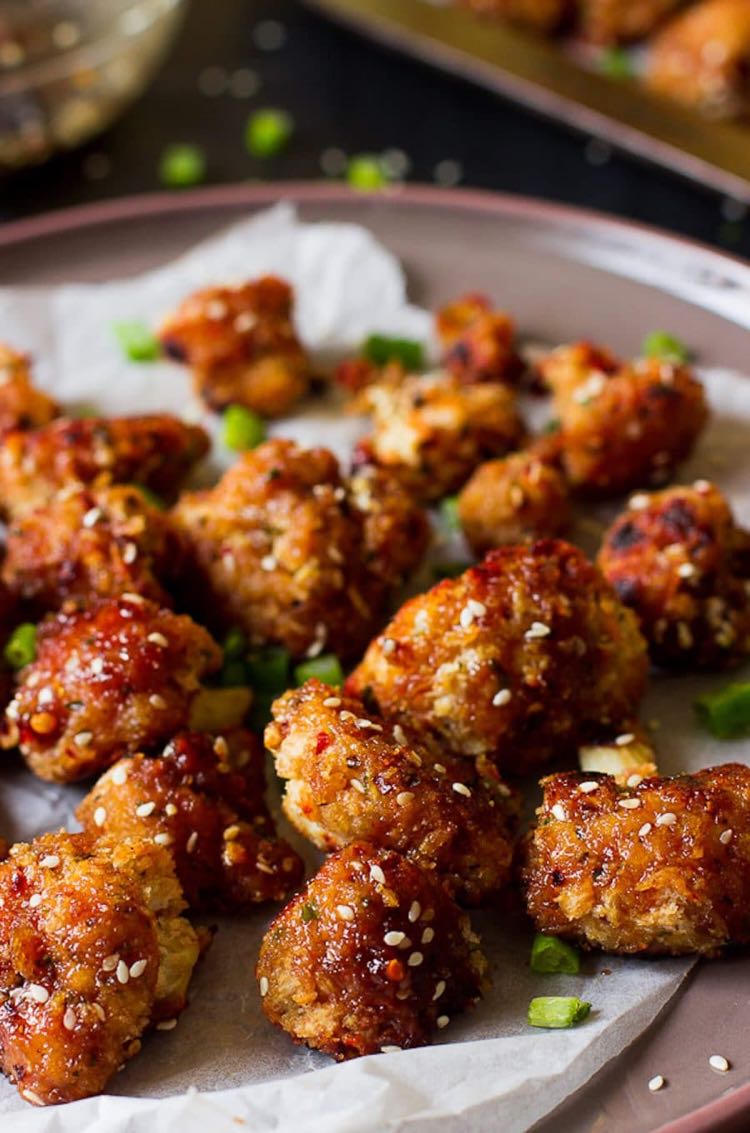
x: 182, y: 165
x: 268, y: 132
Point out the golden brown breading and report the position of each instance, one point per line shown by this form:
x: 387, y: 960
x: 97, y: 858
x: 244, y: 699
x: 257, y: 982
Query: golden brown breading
x: 22, y: 405
x: 92, y: 951
x: 353, y: 777
x: 617, y: 21
x: 116, y: 677
x: 203, y: 798
x: 241, y: 345
x: 396, y: 529
x: 512, y: 499
x: 542, y: 15
x: 478, y: 343
x: 661, y: 867
x: 90, y: 543
x: 156, y: 451
x: 702, y: 56
x: 678, y: 559
x: 623, y: 426
x: 433, y: 430
x: 371, y: 956
x: 281, y: 550
x: 520, y: 658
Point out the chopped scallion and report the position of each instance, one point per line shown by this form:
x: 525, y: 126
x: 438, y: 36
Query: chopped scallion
x: 326, y: 668
x: 557, y: 1011
x: 366, y: 173
x: 268, y: 669
x: 726, y: 714
x: 268, y: 131
x: 136, y: 340
x: 660, y: 344
x: 615, y: 63
x: 242, y: 429
x: 449, y: 513
x: 181, y: 166
x: 20, y: 649
x: 550, y: 954
x: 380, y: 349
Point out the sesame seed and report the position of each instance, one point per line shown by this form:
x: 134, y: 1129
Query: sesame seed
x: 263, y: 986
x: 404, y: 797
x: 131, y: 596
x: 70, y: 1019
x: 466, y: 617
x: 462, y: 789
x: 389, y: 646
x: 145, y: 809
x: 537, y: 630
x: 216, y: 310
x: 51, y: 861
x: 83, y: 739
x: 35, y: 900
x: 625, y: 739
x: 170, y: 809
x: 644, y: 830
x: 192, y: 842
x: 30, y: 1096
x: 364, y: 724
x: 158, y: 639
x: 100, y: 816
x: 122, y: 972
x: 138, y: 968
x: 502, y: 697
x: 442, y: 1021
x: 245, y: 322
x: 377, y: 874
x: 656, y: 1083
x: 726, y: 837
x: 97, y: 666
x: 686, y: 570
x: 629, y: 804
x: 119, y: 774
x: 589, y: 786
x: 221, y: 747
x: 345, y: 912
x: 166, y: 1025
x: 415, y: 959
x: 162, y: 839
x: 38, y: 993
x: 633, y: 780
x: 439, y: 989
x: 702, y: 486
x: 428, y: 936
x: 478, y: 609
x: 440, y: 768
x: 639, y: 502
x: 719, y: 1062
x: 129, y: 553
x: 414, y: 911
x: 390, y: 1049
x: 558, y: 811
x: 109, y: 963
x: 157, y: 701
x: 399, y: 735
x: 92, y: 517
x: 358, y: 785
x: 394, y: 938
x: 666, y: 819
x: 332, y: 702
x: 269, y: 562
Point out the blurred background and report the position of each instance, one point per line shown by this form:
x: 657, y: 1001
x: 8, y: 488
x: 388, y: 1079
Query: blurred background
x: 335, y: 97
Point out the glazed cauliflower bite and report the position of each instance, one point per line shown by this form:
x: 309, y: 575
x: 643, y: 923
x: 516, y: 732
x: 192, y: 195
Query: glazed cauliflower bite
x: 281, y: 549
x: 241, y: 346
x: 622, y: 426
x: 662, y: 867
x: 702, y: 56
x: 678, y: 559
x: 203, y: 798
x: 22, y: 405
x: 372, y: 955
x: 395, y: 529
x: 352, y: 777
x: 92, y: 951
x: 478, y: 343
x: 615, y: 21
x: 522, y: 657
x: 515, y: 498
x: 541, y: 15
x: 116, y: 677
x: 432, y: 431
x: 89, y: 543
x: 156, y: 451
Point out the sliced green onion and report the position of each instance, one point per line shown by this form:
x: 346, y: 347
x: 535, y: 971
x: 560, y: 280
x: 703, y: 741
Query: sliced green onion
x: 233, y: 674
x: 242, y: 429
x: 87, y: 411
x: 380, y: 349
x: 268, y: 669
x: 181, y: 166
x: 235, y: 644
x: 260, y: 714
x: 20, y: 649
x: 309, y: 912
x: 150, y: 496
x: 550, y: 954
x: 616, y: 63
x: 725, y: 714
x: 365, y: 173
x: 449, y: 513
x: 660, y: 344
x: 326, y: 668
x: 268, y: 131
x: 557, y: 1011
x: 137, y: 341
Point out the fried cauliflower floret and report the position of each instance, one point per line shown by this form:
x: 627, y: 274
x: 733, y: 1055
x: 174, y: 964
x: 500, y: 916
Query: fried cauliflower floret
x: 541, y: 15
x: 515, y: 498
x: 701, y: 58
x: 628, y: 758
x: 92, y: 951
x: 353, y: 777
x: 521, y: 658
x: 280, y: 549
x: 396, y: 529
x: 22, y: 405
x: 371, y: 956
x: 89, y: 543
x: 116, y: 677
x: 478, y: 343
x: 622, y: 426
x: 662, y: 867
x: 617, y: 21
x: 203, y: 798
x: 241, y: 346
x: 432, y: 431
x: 156, y: 451
x: 678, y: 559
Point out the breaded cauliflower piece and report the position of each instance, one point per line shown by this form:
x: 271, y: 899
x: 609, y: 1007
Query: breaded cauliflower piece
x: 241, y: 346
x: 396, y: 530
x: 92, y: 951
x: 281, y: 548
x: 515, y: 498
x: 432, y: 431
x: 371, y: 956
x: 478, y: 343
x: 618, y: 21
x: 22, y: 405
x: 156, y: 451
x: 702, y: 56
x: 523, y: 657
x: 662, y: 867
x: 541, y: 15
x: 352, y: 777
x: 623, y: 426
x: 116, y: 677
x: 678, y: 559
x: 203, y: 798
x: 90, y: 543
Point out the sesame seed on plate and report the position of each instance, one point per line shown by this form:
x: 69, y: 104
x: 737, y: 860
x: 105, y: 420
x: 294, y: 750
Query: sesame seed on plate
x: 558, y: 812
x: 377, y: 874
x: 100, y: 816
x: 345, y: 912
x: 145, y: 809
x: 666, y: 819
x: 415, y: 959
x: 390, y: 1049
x: 537, y: 630
x: 719, y: 1063
x: 263, y: 986
x: 462, y: 789
x: 394, y: 938
x: 439, y: 989
x: 656, y: 1083
x: 726, y: 837
x: 415, y: 910
x: 502, y: 697
x: 442, y: 1021
x: 589, y: 786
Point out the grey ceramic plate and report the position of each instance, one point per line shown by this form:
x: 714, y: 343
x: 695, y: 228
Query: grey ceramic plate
x: 563, y: 273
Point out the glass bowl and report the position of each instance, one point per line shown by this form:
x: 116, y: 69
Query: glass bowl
x: 69, y: 67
